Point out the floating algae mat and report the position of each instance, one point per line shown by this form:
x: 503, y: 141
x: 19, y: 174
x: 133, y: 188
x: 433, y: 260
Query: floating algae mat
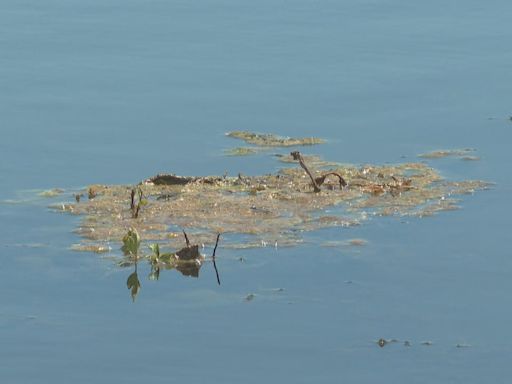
x: 274, y: 209
x: 271, y: 140
x: 463, y: 154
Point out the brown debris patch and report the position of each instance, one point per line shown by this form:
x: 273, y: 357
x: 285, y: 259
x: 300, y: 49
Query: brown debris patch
x: 270, y: 140
x: 273, y: 209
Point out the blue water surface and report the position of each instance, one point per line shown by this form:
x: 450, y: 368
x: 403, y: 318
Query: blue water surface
x: 115, y: 91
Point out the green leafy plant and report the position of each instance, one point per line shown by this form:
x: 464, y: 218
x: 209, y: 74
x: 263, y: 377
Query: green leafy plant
x: 155, y: 248
x: 131, y: 242
x: 135, y: 208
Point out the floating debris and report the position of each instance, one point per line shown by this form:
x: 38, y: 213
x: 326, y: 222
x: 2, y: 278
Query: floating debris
x: 427, y: 343
x: 270, y: 140
x: 357, y: 242
x: 95, y: 248
x: 383, y: 342
x: 51, y: 193
x: 470, y: 158
x: 241, y: 151
x: 463, y: 154
x: 250, y: 297
x: 263, y: 210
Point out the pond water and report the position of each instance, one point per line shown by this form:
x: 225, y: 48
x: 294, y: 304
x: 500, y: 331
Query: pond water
x: 114, y: 92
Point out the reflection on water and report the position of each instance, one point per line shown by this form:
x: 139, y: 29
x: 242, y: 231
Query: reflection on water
x: 188, y: 260
x: 133, y: 283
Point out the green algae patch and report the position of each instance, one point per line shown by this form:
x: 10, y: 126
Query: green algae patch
x: 271, y: 140
x: 462, y: 154
x: 242, y: 151
x: 268, y: 210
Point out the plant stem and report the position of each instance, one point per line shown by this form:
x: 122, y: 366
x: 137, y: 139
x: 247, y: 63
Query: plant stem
x: 297, y: 156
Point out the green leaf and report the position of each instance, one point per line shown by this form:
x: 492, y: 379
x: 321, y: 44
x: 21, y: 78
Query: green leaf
x: 155, y: 248
x: 131, y: 242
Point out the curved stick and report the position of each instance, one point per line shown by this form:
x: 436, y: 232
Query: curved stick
x: 297, y: 156
x: 320, y: 180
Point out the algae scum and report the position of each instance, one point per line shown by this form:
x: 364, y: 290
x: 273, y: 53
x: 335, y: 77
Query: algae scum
x: 274, y: 209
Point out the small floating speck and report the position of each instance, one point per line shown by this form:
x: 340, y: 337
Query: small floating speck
x: 426, y: 343
x: 382, y: 342
x: 250, y: 297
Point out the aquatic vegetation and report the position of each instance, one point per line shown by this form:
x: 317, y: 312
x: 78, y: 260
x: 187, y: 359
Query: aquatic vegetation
x: 271, y: 140
x: 254, y: 211
x: 188, y: 260
x: 135, y: 208
x: 241, y: 151
x: 131, y: 242
x: 463, y: 154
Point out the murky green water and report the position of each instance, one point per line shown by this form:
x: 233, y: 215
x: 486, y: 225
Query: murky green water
x: 114, y: 92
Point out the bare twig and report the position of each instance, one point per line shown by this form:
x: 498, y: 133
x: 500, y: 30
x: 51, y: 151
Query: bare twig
x: 297, y: 156
x: 186, y: 238
x: 320, y: 180
x: 132, y: 204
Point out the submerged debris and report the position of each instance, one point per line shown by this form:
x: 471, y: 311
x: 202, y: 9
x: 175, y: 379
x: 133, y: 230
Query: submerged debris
x: 270, y: 140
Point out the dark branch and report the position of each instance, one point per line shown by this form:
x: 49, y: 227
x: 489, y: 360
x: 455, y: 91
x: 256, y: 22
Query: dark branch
x: 297, y: 156
x: 186, y: 238
x: 132, y: 204
x: 320, y: 180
